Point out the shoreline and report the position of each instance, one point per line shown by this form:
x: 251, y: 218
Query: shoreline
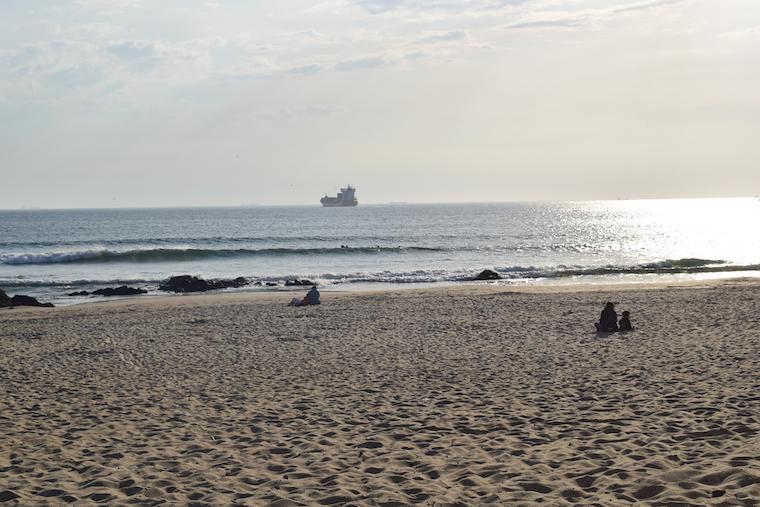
x: 454, y: 288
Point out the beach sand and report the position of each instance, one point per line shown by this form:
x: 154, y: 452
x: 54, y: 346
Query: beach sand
x: 476, y: 395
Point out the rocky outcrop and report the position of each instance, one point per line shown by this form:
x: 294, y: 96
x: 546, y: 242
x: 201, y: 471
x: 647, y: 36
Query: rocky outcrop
x: 8, y: 302
x: 187, y: 283
x: 5, y: 301
x: 28, y: 301
x: 111, y: 291
x: 487, y: 274
x: 298, y: 283
x: 119, y: 291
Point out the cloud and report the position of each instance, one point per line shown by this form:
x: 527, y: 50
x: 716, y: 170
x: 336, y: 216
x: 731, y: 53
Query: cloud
x: 52, y: 68
x: 641, y: 6
x: 441, y: 6
x: 108, y: 7
x: 73, y: 77
x: 367, y: 62
x: 450, y: 36
x: 309, y: 34
x: 91, y: 31
x: 307, y: 70
x: 84, y: 42
x: 376, y: 6
x: 291, y: 113
x: 548, y: 23
x: 132, y: 50
x: 549, y: 19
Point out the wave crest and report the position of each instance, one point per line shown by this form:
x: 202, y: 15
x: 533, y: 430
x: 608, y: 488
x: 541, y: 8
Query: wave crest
x: 187, y: 254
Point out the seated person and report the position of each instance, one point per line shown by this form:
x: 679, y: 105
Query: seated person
x: 311, y: 298
x: 625, y: 322
x: 608, y: 321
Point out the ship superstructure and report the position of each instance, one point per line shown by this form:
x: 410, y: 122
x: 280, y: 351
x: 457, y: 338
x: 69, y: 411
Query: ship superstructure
x: 345, y: 198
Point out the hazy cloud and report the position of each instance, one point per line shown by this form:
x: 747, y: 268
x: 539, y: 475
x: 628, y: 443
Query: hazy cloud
x: 450, y: 36
x: 307, y: 70
x: 450, y: 6
x: 132, y: 50
x: 640, y: 6
x: 366, y: 62
x: 292, y: 113
x: 556, y: 23
x: 108, y: 7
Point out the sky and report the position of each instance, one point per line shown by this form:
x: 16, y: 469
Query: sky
x: 119, y: 103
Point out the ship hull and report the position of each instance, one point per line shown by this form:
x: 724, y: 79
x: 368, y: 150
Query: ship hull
x: 339, y: 204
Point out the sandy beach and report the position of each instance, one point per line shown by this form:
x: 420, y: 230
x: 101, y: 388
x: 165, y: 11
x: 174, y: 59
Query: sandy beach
x: 472, y: 395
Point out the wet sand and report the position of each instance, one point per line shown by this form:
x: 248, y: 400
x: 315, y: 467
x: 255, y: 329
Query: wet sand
x: 455, y: 396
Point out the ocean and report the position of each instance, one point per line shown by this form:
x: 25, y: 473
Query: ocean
x: 49, y: 253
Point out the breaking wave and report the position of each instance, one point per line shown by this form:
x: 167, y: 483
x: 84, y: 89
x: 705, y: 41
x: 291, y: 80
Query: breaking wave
x: 25, y: 282
x: 187, y: 254
x: 670, y: 266
x: 421, y: 276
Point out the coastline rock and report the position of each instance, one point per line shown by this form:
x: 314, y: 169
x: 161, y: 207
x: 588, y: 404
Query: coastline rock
x: 80, y: 293
x: 271, y: 284
x: 119, y: 291
x: 487, y: 274
x: 187, y: 283
x: 28, y: 301
x: 5, y: 301
x: 298, y: 283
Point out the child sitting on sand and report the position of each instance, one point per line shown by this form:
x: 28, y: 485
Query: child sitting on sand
x: 625, y: 322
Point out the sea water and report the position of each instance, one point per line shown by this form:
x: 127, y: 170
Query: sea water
x: 48, y: 253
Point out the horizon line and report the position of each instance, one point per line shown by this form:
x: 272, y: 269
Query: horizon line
x: 377, y: 203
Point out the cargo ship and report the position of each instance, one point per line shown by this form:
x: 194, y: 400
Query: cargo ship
x: 345, y: 198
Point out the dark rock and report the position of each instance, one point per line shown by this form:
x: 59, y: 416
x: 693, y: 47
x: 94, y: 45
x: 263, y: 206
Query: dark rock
x: 271, y: 284
x: 298, y: 283
x: 80, y: 293
x: 5, y: 301
x: 487, y: 274
x: 119, y: 291
x: 187, y: 283
x: 717, y: 493
x: 28, y: 301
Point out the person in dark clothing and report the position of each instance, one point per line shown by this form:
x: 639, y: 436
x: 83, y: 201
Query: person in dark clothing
x: 625, y: 322
x: 608, y: 321
x: 312, y: 297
